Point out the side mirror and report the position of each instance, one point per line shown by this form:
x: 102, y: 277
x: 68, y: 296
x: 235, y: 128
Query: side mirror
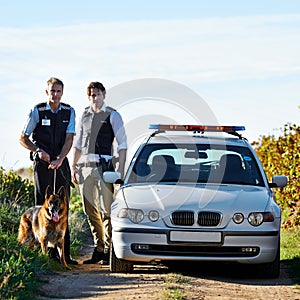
x: 112, y: 177
x: 279, y: 181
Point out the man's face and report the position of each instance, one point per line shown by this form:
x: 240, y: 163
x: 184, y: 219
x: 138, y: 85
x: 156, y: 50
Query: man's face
x: 96, y: 97
x: 54, y: 92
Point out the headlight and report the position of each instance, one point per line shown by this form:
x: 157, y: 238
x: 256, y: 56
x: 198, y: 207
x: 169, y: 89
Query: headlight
x: 134, y: 215
x: 153, y: 215
x: 255, y: 218
x: 238, y: 218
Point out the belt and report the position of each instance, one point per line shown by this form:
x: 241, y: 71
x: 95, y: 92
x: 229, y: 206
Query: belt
x: 89, y: 164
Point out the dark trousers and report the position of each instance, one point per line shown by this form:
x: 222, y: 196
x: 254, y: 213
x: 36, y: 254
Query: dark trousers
x: 44, y: 177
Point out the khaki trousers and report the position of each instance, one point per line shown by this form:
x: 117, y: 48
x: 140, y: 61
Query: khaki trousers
x: 97, y: 197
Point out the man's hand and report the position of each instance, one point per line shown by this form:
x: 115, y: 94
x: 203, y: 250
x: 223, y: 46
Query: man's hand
x: 55, y: 164
x: 75, y: 175
x: 43, y: 155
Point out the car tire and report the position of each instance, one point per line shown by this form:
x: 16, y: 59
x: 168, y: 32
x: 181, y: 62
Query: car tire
x: 118, y: 266
x: 272, y: 269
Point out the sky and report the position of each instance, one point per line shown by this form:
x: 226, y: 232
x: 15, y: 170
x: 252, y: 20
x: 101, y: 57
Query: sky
x: 229, y: 62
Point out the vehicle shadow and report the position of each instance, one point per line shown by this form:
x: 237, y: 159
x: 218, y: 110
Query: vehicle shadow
x: 227, y: 272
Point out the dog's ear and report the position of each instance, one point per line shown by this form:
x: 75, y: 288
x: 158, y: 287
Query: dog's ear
x: 62, y: 192
x: 48, y: 191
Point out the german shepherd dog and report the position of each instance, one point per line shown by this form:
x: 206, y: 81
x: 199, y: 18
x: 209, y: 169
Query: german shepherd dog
x: 46, y: 224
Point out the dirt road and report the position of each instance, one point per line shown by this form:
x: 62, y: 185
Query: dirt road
x: 211, y: 281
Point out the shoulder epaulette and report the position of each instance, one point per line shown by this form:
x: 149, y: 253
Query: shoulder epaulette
x: 86, y: 110
x: 41, y: 106
x: 110, y: 109
x: 65, y: 106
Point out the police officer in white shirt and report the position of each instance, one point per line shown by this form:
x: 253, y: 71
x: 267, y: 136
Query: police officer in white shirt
x: 97, y: 129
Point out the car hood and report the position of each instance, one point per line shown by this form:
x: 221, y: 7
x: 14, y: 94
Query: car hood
x: 220, y: 198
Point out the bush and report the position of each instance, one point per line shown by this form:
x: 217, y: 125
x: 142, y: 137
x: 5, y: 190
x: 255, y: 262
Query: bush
x: 18, y: 265
x: 280, y: 156
x: 18, y: 268
x: 15, y: 190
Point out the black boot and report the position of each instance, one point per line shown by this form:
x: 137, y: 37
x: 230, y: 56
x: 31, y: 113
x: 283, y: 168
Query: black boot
x: 96, y: 257
x: 105, y: 260
x: 68, y: 258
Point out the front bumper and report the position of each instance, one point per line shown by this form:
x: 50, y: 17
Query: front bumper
x: 249, y: 247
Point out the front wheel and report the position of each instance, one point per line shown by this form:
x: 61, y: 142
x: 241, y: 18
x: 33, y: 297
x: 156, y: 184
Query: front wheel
x: 118, y: 266
x: 272, y: 269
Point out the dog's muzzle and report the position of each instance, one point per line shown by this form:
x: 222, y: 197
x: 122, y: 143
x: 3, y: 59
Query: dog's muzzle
x: 55, y: 216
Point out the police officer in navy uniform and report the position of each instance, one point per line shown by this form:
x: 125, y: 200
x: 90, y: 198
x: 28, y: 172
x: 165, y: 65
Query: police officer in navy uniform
x: 51, y: 126
x: 98, y: 127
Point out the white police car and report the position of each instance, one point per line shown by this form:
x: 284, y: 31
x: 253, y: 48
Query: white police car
x: 195, y: 193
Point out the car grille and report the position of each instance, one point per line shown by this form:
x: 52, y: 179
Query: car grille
x: 208, y: 218
x: 186, y: 218
x: 183, y: 218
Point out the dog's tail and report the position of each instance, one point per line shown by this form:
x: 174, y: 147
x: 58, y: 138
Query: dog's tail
x: 25, y: 234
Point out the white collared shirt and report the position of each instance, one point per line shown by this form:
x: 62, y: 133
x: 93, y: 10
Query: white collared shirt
x: 117, y: 124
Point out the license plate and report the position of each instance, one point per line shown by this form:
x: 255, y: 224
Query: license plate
x: 190, y: 236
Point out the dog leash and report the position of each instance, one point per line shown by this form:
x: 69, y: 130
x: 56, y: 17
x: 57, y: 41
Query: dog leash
x: 64, y: 177
x: 54, y: 181
x: 70, y: 183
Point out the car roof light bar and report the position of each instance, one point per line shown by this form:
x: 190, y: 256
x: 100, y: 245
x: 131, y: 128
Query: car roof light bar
x: 197, y: 128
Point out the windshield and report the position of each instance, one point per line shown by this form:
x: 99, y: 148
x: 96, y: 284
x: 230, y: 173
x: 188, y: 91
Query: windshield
x: 202, y: 163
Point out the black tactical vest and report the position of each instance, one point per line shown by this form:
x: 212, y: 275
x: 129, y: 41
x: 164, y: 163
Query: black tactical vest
x: 98, y: 134
x: 50, y: 132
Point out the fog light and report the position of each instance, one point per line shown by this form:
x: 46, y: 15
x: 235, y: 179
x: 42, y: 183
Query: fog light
x: 249, y: 249
x: 141, y: 247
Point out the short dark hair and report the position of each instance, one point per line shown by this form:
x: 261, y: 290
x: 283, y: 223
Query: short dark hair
x: 95, y: 85
x: 54, y: 80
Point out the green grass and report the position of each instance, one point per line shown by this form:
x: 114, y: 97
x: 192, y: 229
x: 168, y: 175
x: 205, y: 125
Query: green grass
x: 19, y: 267
x: 173, y: 293
x: 174, y: 287
x: 290, y: 251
